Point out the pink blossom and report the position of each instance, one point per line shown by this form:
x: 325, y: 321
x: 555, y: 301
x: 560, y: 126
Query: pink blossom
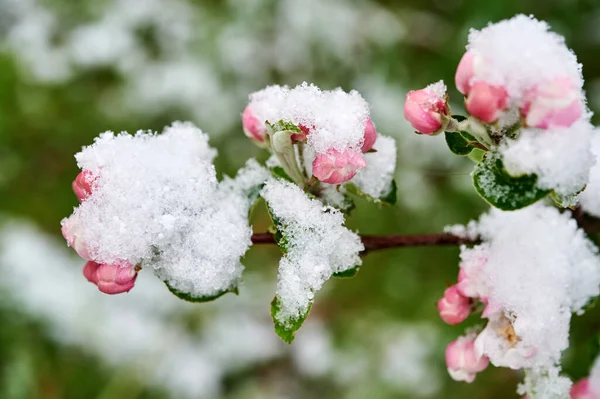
x: 454, y: 308
x: 425, y: 109
x: 111, y: 279
x: 82, y: 185
x: 254, y: 129
x: 486, y: 101
x: 335, y: 167
x: 465, y: 72
x: 555, y: 103
x: 582, y: 389
x: 69, y: 231
x: 304, y: 132
x: 502, y: 344
x: 462, y: 361
x: 471, y: 280
x: 369, y: 137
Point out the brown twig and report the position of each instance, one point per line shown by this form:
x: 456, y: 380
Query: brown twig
x: 388, y: 241
x: 372, y: 242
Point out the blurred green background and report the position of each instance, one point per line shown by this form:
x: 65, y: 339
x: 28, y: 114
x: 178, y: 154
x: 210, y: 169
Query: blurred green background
x: 70, y: 70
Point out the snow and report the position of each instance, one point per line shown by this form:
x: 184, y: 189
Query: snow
x: 336, y: 119
x: 156, y: 201
x: 590, y: 198
x: 317, y: 245
x: 560, y: 157
x: 540, y: 268
x: 377, y: 177
x: 521, y: 52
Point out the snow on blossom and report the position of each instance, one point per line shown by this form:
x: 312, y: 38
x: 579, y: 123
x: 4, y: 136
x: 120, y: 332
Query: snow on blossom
x: 540, y: 267
x: 316, y: 243
x: 590, y: 198
x: 545, y: 385
x: 559, y: 156
x: 156, y: 201
x: 334, y: 118
x: 376, y: 178
x: 521, y: 53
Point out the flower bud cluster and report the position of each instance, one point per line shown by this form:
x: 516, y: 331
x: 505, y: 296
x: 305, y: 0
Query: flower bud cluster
x: 334, y: 124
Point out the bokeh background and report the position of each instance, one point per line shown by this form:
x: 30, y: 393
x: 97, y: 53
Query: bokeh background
x: 70, y: 70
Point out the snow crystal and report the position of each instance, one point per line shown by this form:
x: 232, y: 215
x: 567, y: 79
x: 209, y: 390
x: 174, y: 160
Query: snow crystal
x: 376, y: 178
x: 437, y: 88
x: 545, y: 385
x: 156, y: 201
x: 520, y: 53
x: 590, y: 198
x: 317, y: 246
x: 560, y: 156
x: 336, y: 118
x: 540, y: 267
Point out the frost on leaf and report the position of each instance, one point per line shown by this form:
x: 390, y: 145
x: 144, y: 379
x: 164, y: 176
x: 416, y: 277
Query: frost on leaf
x: 539, y: 268
x: 502, y: 190
x: 156, y: 202
x: 315, y: 244
x: 560, y: 157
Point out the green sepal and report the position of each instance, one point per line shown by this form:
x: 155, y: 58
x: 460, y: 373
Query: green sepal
x: 190, y: 298
x: 283, y: 125
x: 279, y: 172
x: 287, y: 330
x: 502, y: 190
x: 347, y: 273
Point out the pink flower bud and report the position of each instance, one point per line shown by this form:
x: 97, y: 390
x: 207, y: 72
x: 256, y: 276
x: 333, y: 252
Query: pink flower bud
x: 335, y: 167
x: 254, y: 129
x: 465, y: 72
x: 111, y: 279
x: 462, y: 361
x: 582, y: 389
x: 370, y: 136
x: 454, y: 308
x: 555, y: 103
x: 425, y: 109
x: 82, y: 185
x: 69, y: 232
x: 301, y: 136
x: 486, y: 101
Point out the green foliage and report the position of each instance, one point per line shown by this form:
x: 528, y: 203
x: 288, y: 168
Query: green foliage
x: 286, y: 330
x: 190, y: 298
x: 495, y: 185
x: 457, y: 143
x: 350, y: 273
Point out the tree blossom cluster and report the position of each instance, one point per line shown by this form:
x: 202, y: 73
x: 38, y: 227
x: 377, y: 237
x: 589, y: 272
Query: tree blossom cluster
x: 151, y: 201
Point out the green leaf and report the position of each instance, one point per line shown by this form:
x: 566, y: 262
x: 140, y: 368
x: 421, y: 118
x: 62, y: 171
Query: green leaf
x: 392, y: 194
x: 286, y: 330
x: 469, y: 137
x: 283, y: 125
x: 457, y: 143
x: 277, y: 230
x: 476, y: 155
x: 566, y: 201
x: 495, y: 185
x: 347, y: 273
x: 190, y: 298
x: 279, y: 172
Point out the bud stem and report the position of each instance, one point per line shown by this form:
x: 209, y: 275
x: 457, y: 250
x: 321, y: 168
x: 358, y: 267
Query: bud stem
x: 283, y: 148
